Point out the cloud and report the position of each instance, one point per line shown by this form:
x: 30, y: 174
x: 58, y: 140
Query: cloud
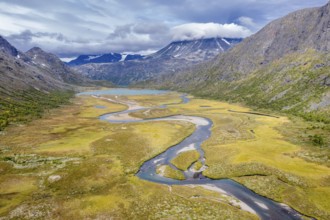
x: 72, y: 27
x: 27, y: 39
x: 27, y: 36
x: 247, y: 21
x: 141, y: 28
x: 207, y: 30
x: 136, y: 38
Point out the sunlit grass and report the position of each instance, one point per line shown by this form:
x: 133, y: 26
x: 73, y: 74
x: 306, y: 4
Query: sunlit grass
x: 185, y: 159
x: 169, y: 172
x: 135, y: 143
x: 14, y: 190
x: 93, y: 107
x: 252, y: 149
x: 157, y: 100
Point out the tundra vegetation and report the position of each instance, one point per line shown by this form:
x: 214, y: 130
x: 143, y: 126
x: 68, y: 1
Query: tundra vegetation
x: 69, y: 164
x: 24, y: 106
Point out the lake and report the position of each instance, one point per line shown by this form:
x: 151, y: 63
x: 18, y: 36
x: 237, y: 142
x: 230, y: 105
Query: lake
x: 126, y: 92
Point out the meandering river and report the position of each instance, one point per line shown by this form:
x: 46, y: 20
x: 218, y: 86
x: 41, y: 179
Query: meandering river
x: 248, y: 200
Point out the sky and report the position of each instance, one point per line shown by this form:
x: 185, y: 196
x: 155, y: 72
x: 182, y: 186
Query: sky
x: 69, y: 28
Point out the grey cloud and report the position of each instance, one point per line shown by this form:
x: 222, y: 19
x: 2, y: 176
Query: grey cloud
x: 143, y: 33
x: 122, y: 31
x: 261, y: 11
x: 123, y: 40
x: 148, y: 28
x: 71, y: 27
x: 27, y: 39
x: 28, y: 36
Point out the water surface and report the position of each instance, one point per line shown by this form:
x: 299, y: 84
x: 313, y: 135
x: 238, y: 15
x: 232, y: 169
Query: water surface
x: 125, y: 92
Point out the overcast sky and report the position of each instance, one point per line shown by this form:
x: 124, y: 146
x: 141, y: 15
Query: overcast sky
x: 71, y: 27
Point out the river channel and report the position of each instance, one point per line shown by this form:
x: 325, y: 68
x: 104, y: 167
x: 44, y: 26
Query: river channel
x: 248, y: 200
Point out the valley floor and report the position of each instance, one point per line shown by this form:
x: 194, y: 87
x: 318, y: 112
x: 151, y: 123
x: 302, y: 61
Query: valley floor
x: 70, y: 164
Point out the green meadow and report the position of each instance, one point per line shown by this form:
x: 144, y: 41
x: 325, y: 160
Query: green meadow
x: 70, y: 165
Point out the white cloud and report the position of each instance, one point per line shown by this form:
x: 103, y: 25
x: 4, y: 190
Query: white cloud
x: 207, y: 30
x: 141, y: 52
x: 247, y: 21
x: 68, y: 59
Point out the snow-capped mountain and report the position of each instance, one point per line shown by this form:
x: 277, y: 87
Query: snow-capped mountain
x: 103, y: 58
x: 174, y: 57
x: 196, y: 50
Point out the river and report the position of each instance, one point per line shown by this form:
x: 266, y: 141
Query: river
x: 248, y: 200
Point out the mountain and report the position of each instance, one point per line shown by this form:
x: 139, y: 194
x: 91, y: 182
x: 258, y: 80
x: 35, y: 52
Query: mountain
x: 19, y: 73
x: 196, y: 50
x: 7, y: 48
x: 175, y: 57
x: 32, y: 82
x: 105, y: 58
x: 51, y: 64
x: 285, y: 66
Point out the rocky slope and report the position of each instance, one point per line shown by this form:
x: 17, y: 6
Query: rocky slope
x: 32, y: 82
x: 175, y: 57
x: 51, y: 64
x: 18, y: 72
x: 196, y: 51
x: 285, y: 66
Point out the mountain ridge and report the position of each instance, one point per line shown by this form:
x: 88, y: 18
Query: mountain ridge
x: 174, y: 57
x: 285, y: 66
x: 104, y: 58
x: 32, y: 82
x: 52, y: 64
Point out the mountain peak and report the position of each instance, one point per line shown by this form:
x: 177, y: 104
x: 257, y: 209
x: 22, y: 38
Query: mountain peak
x: 326, y: 9
x: 197, y: 49
x: 175, y: 57
x: 296, y: 32
x: 7, y: 48
x: 36, y: 49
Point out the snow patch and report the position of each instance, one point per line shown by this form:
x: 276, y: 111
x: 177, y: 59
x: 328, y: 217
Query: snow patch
x: 224, y: 40
x: 67, y: 59
x: 220, y: 47
x: 93, y: 57
x: 177, y: 48
x: 123, y: 57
